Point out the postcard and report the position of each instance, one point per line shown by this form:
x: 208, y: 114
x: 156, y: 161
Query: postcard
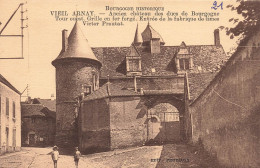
x: 129, y: 83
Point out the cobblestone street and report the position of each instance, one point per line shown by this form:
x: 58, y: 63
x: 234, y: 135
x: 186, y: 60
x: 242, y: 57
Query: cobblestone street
x: 143, y: 157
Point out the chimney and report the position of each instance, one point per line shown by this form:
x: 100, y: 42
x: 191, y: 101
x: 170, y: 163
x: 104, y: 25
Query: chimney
x: 64, y: 40
x: 155, y: 45
x: 216, y: 37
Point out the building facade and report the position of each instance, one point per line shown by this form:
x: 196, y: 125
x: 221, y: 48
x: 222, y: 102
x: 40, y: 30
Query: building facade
x: 155, y: 75
x: 10, y: 117
x: 38, y: 122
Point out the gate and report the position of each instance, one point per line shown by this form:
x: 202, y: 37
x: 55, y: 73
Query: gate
x: 163, y: 124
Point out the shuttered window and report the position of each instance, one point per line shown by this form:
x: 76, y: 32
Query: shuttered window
x: 13, y: 109
x: 7, y: 106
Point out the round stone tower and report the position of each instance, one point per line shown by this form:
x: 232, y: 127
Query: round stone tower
x: 77, y: 72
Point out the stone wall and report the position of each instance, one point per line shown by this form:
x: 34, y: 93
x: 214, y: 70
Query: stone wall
x: 94, y: 126
x: 71, y: 75
x: 128, y: 122
x: 225, y: 117
x: 13, y: 124
x: 42, y: 127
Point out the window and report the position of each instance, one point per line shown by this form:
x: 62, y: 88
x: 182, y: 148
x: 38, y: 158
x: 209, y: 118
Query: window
x: 13, y: 109
x: 184, y: 64
x: 7, y: 106
x: 134, y: 65
x: 86, y: 89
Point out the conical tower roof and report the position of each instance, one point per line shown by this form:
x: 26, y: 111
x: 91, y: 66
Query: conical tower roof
x: 77, y: 46
x: 138, y: 37
x: 149, y: 33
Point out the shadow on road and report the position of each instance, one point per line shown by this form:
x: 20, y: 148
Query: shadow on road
x: 184, y: 156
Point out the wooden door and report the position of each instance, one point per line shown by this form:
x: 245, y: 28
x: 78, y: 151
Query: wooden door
x: 31, y: 139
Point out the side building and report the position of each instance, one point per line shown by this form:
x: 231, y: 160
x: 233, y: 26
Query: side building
x: 225, y: 116
x: 10, y: 117
x: 38, y: 122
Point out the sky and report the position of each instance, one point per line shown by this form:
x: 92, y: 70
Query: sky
x: 42, y: 38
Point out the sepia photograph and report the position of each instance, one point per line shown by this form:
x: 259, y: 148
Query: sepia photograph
x: 130, y: 84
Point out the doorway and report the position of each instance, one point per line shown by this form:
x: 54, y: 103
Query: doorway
x: 31, y: 139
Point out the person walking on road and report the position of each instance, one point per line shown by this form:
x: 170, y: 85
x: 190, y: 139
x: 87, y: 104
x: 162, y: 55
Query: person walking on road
x: 55, y: 156
x: 77, y: 156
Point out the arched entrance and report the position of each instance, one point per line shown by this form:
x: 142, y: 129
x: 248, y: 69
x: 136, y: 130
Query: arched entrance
x: 163, y: 124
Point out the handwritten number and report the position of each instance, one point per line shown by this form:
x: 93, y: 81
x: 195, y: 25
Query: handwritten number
x: 216, y: 6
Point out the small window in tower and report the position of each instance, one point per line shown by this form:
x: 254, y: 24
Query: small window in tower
x: 184, y: 64
x: 86, y: 89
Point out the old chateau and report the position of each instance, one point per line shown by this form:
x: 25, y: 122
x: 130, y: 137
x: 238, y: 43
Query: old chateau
x: 113, y: 97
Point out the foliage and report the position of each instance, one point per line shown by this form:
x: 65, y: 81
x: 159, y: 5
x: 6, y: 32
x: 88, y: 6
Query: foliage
x: 250, y: 11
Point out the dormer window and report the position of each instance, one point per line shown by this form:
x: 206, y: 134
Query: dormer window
x: 133, y: 66
x: 184, y: 64
x: 133, y: 62
x: 183, y: 59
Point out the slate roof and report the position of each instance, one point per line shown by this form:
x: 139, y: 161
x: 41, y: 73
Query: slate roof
x: 110, y: 90
x: 36, y: 110
x: 207, y: 60
x: 29, y: 110
x: 8, y: 84
x: 208, y: 57
x: 77, y: 47
x: 50, y: 104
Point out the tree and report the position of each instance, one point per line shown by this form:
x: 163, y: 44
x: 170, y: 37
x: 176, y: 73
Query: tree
x: 250, y: 11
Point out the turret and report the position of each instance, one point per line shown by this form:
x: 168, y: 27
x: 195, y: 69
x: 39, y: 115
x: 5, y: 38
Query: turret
x: 77, y: 73
x: 138, y: 37
x: 152, y: 39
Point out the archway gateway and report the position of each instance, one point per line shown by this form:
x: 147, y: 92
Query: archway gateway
x: 165, y: 118
x: 163, y: 124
